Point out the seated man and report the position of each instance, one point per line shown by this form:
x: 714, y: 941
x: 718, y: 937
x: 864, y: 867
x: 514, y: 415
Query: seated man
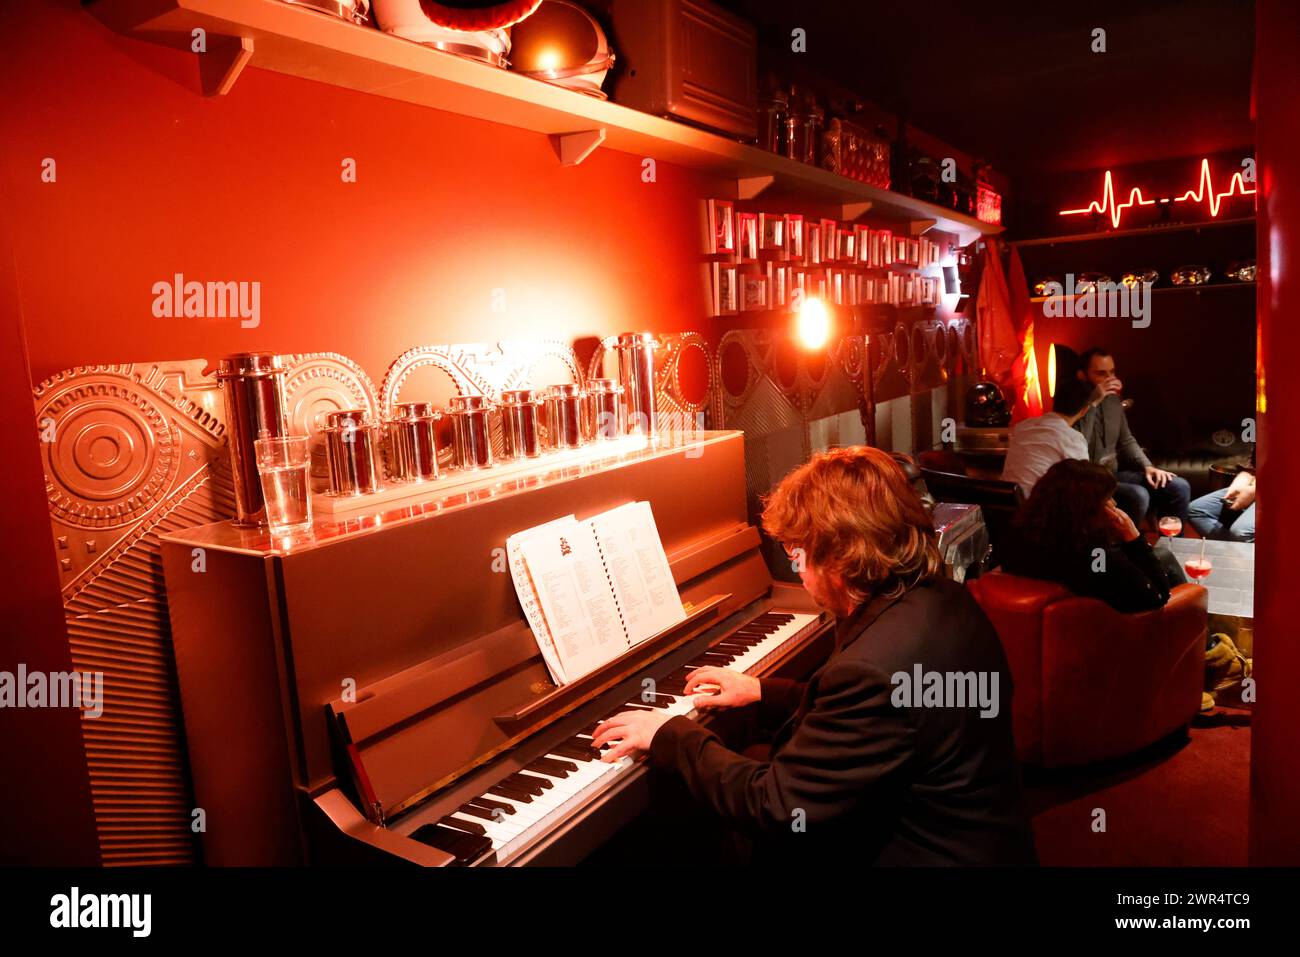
x: 1039, y: 443
x: 1229, y: 513
x: 1110, y: 443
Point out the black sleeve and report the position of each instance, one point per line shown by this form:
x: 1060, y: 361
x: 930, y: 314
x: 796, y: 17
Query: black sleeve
x: 850, y: 745
x: 778, y: 699
x: 1133, y: 578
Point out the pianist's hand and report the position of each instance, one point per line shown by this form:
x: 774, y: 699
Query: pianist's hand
x: 733, y: 688
x: 628, y: 734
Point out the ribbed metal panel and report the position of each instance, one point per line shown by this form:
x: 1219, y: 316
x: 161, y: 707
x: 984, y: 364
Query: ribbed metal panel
x: 135, y: 751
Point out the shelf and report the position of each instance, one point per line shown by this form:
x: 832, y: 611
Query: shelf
x: 1161, y: 289
x: 310, y: 45
x: 1143, y: 231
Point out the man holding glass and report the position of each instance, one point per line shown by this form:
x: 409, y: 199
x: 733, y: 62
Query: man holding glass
x: 1110, y: 443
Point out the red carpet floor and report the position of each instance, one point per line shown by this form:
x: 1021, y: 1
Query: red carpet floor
x: 1179, y: 803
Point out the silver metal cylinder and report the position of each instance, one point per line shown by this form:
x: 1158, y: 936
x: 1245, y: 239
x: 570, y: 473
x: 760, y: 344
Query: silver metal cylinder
x: 350, y: 446
x: 413, y: 442
x: 252, y: 385
x: 521, y: 433
x: 471, y: 417
x: 636, y: 371
x: 564, y: 416
x: 606, y: 418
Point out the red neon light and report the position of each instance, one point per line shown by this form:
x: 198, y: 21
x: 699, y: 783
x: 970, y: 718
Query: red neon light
x: 1203, y: 193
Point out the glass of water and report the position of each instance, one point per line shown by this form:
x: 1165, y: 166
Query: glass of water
x: 283, y: 462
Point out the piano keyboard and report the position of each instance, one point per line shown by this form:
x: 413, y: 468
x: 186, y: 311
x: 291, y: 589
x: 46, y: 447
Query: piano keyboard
x: 521, y: 807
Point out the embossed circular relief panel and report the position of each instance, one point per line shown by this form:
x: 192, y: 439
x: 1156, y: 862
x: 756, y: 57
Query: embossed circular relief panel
x: 113, y: 455
x: 317, y: 384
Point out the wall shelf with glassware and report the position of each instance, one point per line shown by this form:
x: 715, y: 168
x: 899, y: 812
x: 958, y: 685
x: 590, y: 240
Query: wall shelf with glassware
x: 1204, y: 287
x: 302, y: 43
x: 1145, y: 231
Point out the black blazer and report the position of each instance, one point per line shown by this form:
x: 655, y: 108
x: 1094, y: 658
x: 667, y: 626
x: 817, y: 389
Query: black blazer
x: 871, y: 782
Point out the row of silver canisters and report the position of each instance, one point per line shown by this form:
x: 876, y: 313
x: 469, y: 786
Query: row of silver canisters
x: 532, y: 422
x: 252, y: 386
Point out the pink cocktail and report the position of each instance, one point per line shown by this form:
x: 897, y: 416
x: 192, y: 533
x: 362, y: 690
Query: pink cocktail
x: 1170, y: 526
x: 1198, y: 568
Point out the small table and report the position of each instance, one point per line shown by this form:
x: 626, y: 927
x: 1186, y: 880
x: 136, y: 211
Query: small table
x: 1231, y: 584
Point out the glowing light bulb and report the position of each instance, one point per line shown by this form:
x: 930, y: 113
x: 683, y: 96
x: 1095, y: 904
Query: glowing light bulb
x: 1051, y: 371
x: 549, y: 60
x: 813, y: 324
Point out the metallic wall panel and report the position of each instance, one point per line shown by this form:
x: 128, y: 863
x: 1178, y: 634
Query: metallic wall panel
x: 130, y: 451
x: 670, y: 394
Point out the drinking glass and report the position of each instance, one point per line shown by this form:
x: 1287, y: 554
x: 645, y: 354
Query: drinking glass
x: 1198, y: 568
x: 283, y: 462
x: 1171, y: 525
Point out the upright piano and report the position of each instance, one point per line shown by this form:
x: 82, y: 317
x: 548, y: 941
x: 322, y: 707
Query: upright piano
x: 371, y: 692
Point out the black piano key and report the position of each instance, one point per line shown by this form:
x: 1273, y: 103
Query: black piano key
x: 533, y: 786
x: 654, y: 702
x: 731, y: 648
x: 515, y: 794
x: 469, y: 826
x: 537, y: 779
x: 463, y: 846
x: 576, y: 752
x: 552, y: 767
x: 492, y: 805
x: 478, y: 812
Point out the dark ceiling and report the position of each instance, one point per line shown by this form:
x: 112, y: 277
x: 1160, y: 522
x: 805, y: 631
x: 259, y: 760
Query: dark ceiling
x: 1018, y: 83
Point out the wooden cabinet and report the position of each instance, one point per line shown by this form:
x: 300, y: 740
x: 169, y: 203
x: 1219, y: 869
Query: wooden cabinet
x: 687, y: 59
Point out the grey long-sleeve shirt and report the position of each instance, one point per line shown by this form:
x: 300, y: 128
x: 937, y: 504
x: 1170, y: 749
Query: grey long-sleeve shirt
x: 1110, y: 442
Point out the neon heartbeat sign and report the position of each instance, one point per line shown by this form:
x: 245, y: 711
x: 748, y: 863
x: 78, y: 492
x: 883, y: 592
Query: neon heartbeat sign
x: 1203, y: 193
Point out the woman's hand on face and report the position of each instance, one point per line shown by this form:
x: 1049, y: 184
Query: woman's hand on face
x: 733, y: 688
x: 1119, y: 524
x: 628, y: 733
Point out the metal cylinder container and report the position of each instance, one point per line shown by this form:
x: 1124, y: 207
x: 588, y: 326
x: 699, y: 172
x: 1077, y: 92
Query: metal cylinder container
x: 471, y: 417
x: 413, y: 442
x: 521, y: 432
x: 606, y: 418
x: 564, y: 416
x: 252, y: 385
x: 350, y: 446
x: 636, y: 371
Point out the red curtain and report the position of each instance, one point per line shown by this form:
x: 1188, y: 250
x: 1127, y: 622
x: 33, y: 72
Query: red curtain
x: 1006, y: 332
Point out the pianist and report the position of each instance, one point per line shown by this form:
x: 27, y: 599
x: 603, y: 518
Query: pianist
x: 857, y: 771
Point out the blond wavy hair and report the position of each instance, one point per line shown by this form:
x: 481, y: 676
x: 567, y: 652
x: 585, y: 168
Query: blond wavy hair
x: 853, y: 512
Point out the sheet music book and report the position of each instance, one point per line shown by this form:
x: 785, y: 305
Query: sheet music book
x: 590, y: 590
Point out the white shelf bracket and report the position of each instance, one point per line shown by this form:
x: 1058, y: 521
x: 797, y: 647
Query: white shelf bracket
x: 852, y: 211
x: 918, y: 227
x: 222, y: 62
x: 573, y: 148
x: 747, y: 187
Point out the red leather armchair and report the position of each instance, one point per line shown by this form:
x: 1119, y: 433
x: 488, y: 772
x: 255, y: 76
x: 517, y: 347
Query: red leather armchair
x: 1092, y: 683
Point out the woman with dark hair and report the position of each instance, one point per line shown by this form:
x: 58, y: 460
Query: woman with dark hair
x: 1071, y: 531
x: 860, y: 771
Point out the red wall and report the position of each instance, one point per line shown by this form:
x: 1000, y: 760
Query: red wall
x: 1274, y: 769
x: 154, y: 179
